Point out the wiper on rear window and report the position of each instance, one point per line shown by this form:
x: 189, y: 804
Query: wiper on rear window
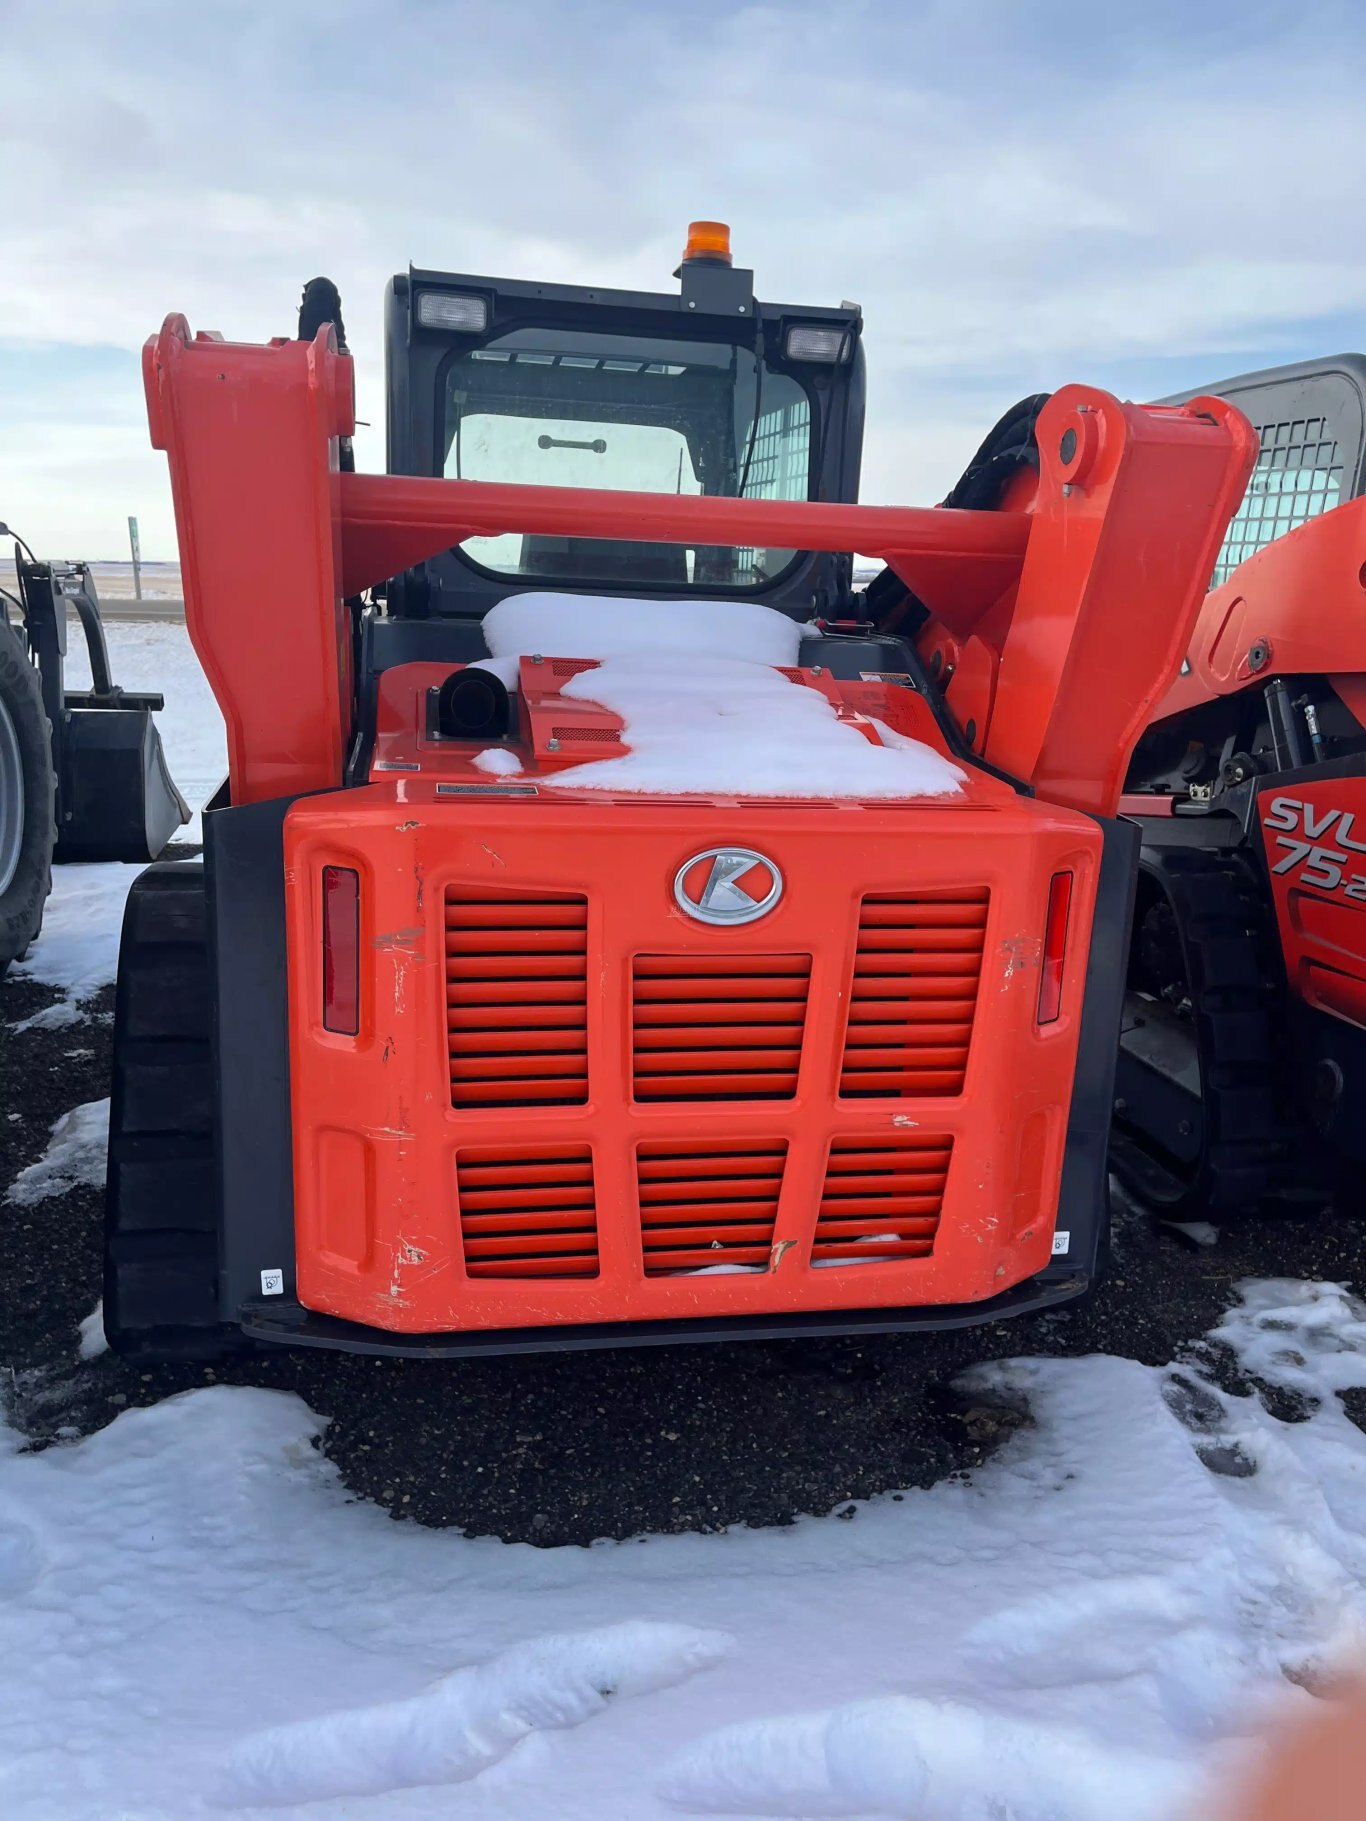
x: 598, y: 446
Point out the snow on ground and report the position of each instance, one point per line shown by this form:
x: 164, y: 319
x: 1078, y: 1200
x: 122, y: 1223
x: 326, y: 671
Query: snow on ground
x: 78, y: 949
x: 92, y: 1339
x: 197, y: 1621
x: 467, y: 1721
x: 80, y: 1141
x: 704, y: 709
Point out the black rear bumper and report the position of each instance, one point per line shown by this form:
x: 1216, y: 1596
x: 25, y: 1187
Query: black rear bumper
x: 293, y: 1325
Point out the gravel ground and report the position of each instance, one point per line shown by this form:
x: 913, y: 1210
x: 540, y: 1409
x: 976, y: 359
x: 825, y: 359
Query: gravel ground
x: 564, y: 1449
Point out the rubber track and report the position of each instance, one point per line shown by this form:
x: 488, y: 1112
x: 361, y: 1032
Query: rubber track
x: 1221, y: 920
x: 162, y: 1201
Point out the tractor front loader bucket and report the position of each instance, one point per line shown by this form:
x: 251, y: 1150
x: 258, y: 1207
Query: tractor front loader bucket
x: 115, y: 797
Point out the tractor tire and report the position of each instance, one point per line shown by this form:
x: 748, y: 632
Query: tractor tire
x: 1197, y: 1130
x: 27, y: 786
x: 162, y: 1201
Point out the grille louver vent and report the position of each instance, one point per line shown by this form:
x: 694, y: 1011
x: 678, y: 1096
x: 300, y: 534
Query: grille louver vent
x: 719, y: 1027
x: 586, y: 736
x: 881, y: 1200
x: 517, y: 999
x: 527, y: 1212
x: 708, y: 1205
x: 914, y: 994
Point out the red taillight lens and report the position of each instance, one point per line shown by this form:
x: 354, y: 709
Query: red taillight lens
x: 1054, y: 947
x: 341, y: 950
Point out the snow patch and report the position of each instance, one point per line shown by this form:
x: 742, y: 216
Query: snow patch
x: 21, y: 1560
x: 78, y: 949
x: 507, y: 670
x: 76, y: 1157
x: 1093, y: 1619
x: 54, y: 1017
x: 501, y: 761
x: 1308, y: 1337
x: 470, y: 1719
x: 93, y: 1340
x: 724, y: 727
x: 705, y: 711
x: 928, y: 1758
x: 1199, y: 1232
x: 1143, y: 1654
x: 616, y: 626
x: 853, y: 1258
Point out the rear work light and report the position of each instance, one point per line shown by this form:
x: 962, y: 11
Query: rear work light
x: 453, y: 310
x: 341, y: 950
x: 831, y: 345
x: 1054, y: 947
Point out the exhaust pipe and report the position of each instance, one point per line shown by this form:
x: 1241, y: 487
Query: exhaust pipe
x: 473, y: 705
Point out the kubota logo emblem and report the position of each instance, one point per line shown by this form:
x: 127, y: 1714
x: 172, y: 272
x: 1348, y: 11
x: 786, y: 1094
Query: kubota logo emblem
x: 727, y: 885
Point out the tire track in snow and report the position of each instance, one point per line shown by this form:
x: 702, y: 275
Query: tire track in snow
x: 470, y: 1719
x: 905, y: 1756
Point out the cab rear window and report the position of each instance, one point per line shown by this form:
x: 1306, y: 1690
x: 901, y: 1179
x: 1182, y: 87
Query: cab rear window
x: 570, y: 409
x: 1299, y: 473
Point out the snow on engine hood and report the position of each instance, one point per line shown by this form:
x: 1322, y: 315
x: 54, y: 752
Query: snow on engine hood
x: 705, y: 710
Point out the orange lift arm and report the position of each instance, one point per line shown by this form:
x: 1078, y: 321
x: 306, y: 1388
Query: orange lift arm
x: 1103, y: 577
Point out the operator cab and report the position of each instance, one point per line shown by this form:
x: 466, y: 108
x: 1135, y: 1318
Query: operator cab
x: 705, y: 391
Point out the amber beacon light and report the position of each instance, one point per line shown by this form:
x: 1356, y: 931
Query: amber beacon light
x: 708, y: 240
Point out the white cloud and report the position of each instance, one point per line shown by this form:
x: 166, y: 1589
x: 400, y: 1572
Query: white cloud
x: 1014, y: 199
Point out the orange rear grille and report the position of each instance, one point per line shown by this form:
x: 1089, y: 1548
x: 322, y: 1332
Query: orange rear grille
x: 517, y: 999
x: 707, y: 1205
x: 914, y: 994
x: 719, y: 1027
x: 882, y: 1199
x: 527, y: 1212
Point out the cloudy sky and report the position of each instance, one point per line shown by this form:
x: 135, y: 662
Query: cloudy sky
x: 1144, y: 195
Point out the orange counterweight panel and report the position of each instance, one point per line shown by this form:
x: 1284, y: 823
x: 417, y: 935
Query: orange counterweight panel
x: 569, y: 1102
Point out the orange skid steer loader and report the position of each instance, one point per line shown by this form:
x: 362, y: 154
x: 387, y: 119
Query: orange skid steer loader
x: 455, y: 1046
